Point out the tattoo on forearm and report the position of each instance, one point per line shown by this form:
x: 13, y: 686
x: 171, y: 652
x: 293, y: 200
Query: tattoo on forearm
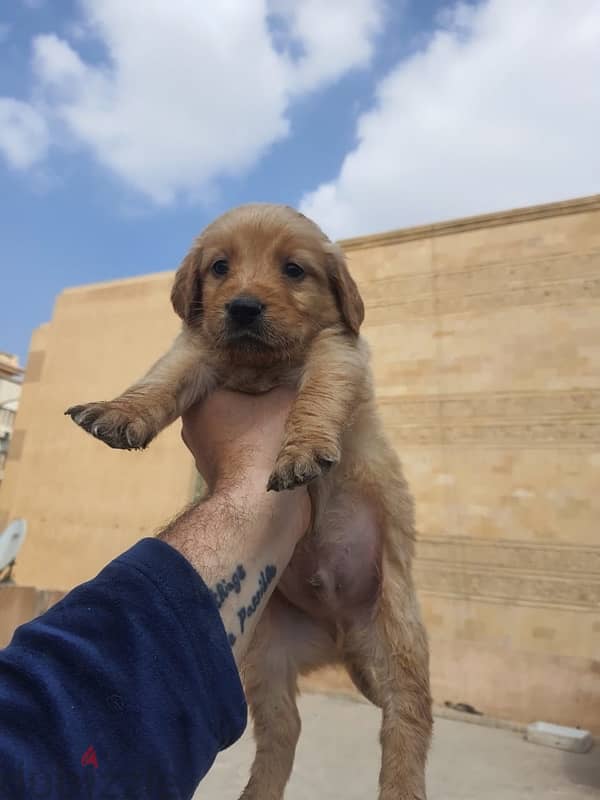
x: 266, y: 578
x: 224, y: 588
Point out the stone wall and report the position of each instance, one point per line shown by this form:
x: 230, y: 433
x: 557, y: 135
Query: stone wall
x: 486, y: 344
x: 85, y: 503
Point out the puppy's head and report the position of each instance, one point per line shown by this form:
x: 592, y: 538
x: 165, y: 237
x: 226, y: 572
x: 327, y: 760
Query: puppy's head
x: 262, y: 280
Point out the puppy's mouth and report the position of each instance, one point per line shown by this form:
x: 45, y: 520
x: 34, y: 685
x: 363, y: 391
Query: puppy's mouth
x: 248, y: 337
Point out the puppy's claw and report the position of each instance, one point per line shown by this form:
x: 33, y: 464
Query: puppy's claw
x: 300, y: 469
x: 112, y: 425
x: 73, y: 410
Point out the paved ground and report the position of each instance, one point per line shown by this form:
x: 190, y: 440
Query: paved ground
x: 338, y: 757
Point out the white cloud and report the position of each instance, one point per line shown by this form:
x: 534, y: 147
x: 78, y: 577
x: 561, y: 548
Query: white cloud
x: 191, y: 91
x: 501, y: 108
x: 23, y: 133
x: 333, y: 37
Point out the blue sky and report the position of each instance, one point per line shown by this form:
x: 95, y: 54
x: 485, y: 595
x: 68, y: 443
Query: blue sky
x: 123, y: 131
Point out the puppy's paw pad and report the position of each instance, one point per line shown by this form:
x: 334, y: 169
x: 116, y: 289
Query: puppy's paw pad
x: 295, y: 467
x: 112, y: 424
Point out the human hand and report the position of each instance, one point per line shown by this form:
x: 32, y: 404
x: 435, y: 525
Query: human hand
x: 235, y: 436
x: 235, y: 439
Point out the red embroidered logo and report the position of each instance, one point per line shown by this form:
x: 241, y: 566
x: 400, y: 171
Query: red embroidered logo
x: 89, y: 757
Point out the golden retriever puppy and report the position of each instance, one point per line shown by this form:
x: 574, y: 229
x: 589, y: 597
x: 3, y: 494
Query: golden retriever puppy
x: 266, y: 299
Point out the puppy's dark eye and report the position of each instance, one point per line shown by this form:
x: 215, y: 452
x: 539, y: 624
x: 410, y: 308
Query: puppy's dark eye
x: 220, y: 268
x: 293, y: 270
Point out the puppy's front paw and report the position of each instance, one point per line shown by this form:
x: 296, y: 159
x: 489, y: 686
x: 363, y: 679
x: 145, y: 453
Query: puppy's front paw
x: 114, y: 424
x: 298, y: 465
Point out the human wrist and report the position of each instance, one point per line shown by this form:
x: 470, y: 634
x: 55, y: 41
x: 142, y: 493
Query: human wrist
x: 282, y: 514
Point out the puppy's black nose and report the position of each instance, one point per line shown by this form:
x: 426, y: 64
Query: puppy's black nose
x: 244, y: 310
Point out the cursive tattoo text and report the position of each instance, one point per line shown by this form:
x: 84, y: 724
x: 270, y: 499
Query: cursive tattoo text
x: 265, y: 579
x: 225, y: 587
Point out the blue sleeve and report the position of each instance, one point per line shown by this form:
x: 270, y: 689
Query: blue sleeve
x: 124, y: 690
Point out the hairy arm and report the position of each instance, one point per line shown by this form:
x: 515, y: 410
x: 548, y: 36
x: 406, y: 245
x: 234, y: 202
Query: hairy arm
x: 240, y: 541
x: 128, y: 684
x: 241, y: 538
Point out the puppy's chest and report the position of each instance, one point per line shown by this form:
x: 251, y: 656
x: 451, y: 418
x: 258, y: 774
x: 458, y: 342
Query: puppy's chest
x: 334, y: 572
x: 256, y: 380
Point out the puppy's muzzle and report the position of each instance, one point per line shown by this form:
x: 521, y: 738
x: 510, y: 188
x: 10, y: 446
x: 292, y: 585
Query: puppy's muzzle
x: 244, y: 311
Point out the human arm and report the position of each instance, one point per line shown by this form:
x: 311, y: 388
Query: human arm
x: 136, y: 663
x: 241, y: 538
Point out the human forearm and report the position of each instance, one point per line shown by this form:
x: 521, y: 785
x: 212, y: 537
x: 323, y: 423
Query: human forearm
x: 240, y: 540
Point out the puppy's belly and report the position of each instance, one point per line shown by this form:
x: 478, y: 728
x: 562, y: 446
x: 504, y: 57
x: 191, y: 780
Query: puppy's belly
x: 334, y: 572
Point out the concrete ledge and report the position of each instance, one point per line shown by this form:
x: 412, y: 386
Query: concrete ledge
x: 559, y: 736
x: 19, y: 604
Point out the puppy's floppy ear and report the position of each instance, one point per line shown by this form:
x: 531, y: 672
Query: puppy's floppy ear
x: 345, y: 289
x: 186, y: 294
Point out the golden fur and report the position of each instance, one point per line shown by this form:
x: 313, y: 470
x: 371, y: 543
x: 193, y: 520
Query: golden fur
x: 347, y: 595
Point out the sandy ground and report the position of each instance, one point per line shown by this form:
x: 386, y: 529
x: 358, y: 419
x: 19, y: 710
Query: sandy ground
x: 338, y: 758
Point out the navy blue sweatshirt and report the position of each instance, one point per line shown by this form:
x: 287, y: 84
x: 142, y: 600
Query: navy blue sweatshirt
x: 124, y: 690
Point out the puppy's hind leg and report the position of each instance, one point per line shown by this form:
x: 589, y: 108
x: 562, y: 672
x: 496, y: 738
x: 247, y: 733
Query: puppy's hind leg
x: 389, y: 663
x: 285, y: 643
x: 130, y: 422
